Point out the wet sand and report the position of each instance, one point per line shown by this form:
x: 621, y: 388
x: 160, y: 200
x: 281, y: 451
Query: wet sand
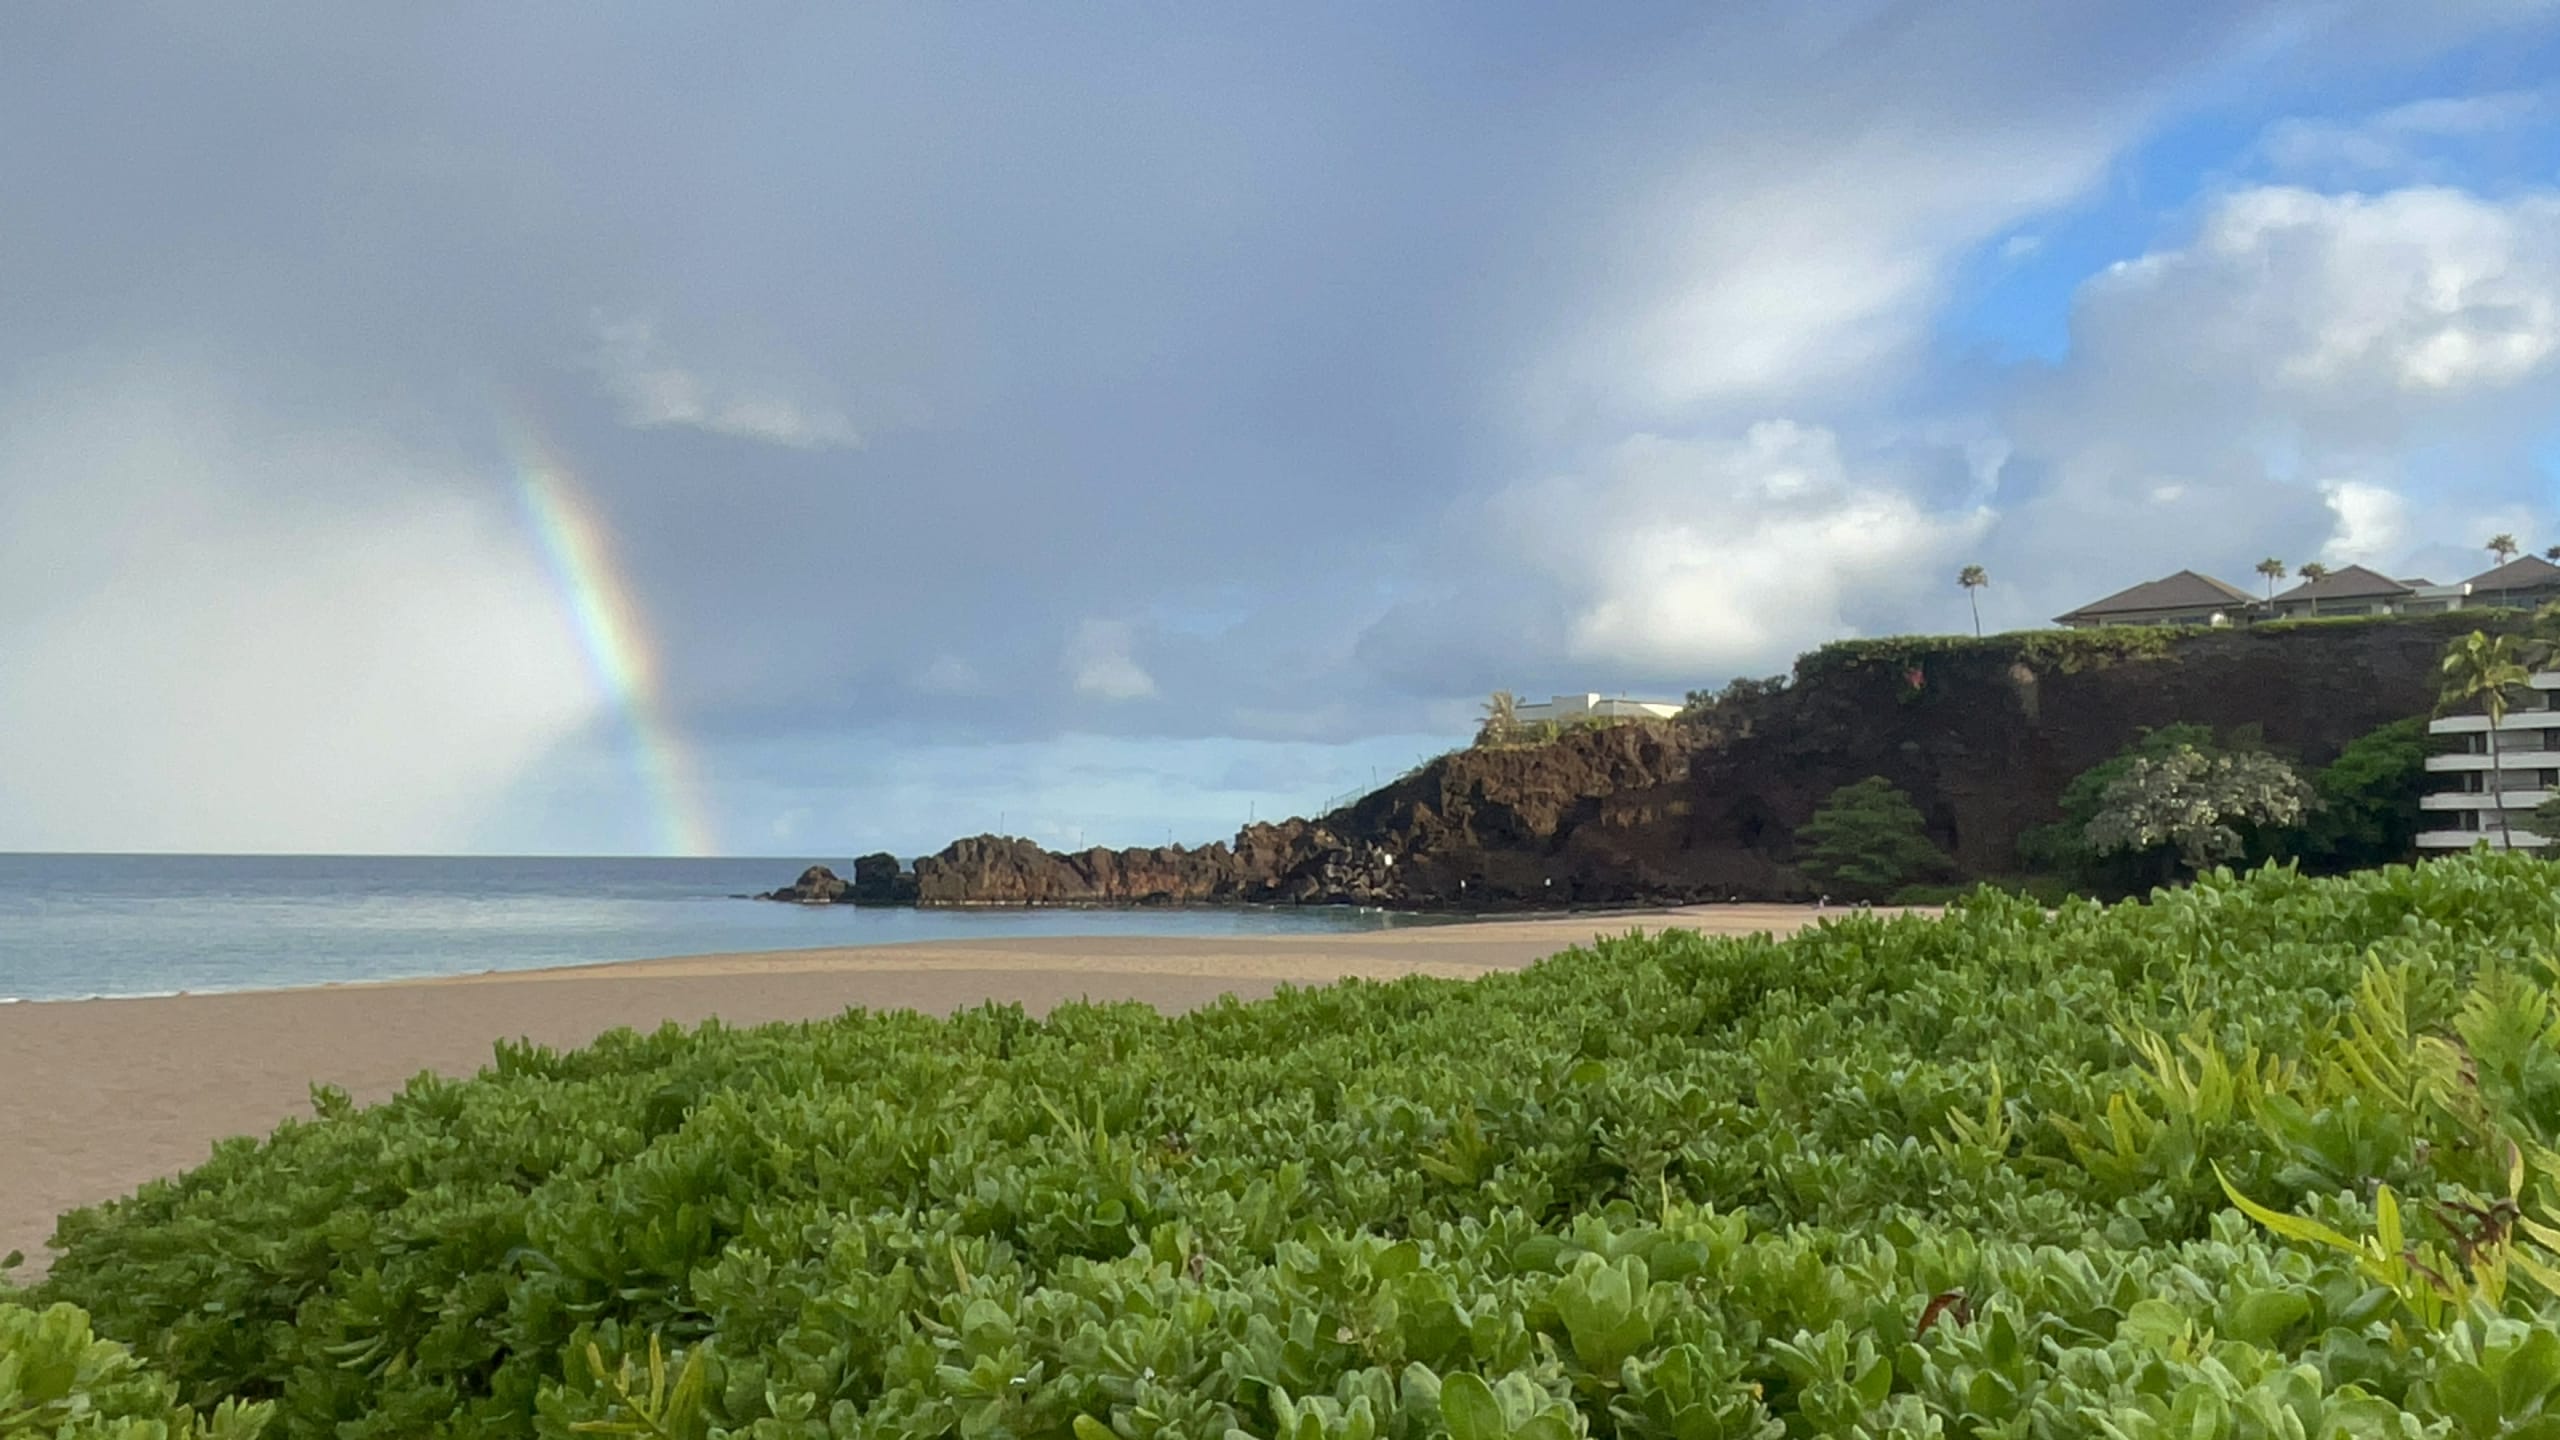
x: 98, y: 1096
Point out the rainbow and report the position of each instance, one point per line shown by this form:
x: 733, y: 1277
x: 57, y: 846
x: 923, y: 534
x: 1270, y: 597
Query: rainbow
x: 611, y: 629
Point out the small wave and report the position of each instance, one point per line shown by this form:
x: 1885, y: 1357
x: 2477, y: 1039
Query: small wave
x: 99, y: 995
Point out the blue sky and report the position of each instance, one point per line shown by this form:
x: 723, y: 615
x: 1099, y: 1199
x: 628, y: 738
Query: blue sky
x: 1111, y: 423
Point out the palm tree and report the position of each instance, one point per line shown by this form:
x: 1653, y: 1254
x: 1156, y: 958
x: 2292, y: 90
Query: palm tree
x: 2273, y: 569
x: 2551, y: 552
x: 2502, y: 547
x: 2484, y: 668
x: 1973, y: 578
x: 1501, y: 718
x: 2315, y: 572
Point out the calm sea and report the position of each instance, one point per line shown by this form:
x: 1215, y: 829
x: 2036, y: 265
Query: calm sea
x: 77, y: 925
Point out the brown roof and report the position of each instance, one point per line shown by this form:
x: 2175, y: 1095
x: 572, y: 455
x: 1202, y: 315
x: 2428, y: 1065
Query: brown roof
x: 2185, y: 590
x: 2347, y: 582
x: 2525, y: 572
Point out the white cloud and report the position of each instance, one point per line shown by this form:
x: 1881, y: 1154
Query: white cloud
x: 2329, y: 374
x: 1099, y: 662
x: 2372, y: 522
x: 2392, y: 142
x: 1694, y: 556
x: 2428, y: 290
x: 217, y: 640
x: 2298, y: 320
x: 641, y: 375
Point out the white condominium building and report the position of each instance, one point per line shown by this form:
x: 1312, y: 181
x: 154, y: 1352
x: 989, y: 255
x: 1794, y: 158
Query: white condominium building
x: 2477, y: 790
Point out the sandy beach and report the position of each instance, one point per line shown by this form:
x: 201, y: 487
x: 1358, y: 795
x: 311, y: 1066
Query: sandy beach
x: 98, y: 1096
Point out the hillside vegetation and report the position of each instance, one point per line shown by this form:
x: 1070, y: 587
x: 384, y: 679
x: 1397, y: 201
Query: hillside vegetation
x: 1963, y: 1176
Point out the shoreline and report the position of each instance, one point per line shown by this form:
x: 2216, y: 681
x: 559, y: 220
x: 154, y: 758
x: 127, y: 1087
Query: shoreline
x: 100, y: 1096
x: 1407, y: 921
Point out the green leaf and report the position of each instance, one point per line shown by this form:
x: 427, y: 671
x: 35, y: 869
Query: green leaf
x: 1468, y: 1406
x: 2298, y: 1228
x: 2464, y: 1392
x: 2530, y: 1373
x: 2260, y: 1317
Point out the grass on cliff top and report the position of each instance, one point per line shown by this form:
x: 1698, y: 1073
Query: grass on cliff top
x: 1893, y: 1176
x: 2072, y: 650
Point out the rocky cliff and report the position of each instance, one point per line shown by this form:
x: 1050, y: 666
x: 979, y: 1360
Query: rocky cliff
x: 1296, y: 862
x: 1982, y: 734
x: 877, y: 880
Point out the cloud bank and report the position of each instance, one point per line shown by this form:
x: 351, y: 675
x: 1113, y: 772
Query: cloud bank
x: 1258, y: 388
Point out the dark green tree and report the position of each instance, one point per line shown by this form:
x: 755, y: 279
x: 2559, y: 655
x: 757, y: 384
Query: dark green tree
x: 1867, y: 841
x: 2368, y: 811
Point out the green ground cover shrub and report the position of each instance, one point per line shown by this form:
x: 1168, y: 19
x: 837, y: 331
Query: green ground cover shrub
x: 1976, y: 1176
x: 59, y: 1381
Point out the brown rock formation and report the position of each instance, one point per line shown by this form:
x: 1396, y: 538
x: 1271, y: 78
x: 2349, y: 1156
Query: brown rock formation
x: 817, y: 885
x: 881, y: 880
x: 997, y: 870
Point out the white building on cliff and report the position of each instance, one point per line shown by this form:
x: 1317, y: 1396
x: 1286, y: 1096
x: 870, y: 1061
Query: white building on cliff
x: 2477, y: 790
x: 1566, y: 709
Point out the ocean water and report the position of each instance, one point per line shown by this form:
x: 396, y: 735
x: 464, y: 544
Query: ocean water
x: 83, y: 925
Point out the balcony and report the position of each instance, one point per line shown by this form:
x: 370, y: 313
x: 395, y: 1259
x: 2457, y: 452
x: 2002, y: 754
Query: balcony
x: 2508, y: 760
x: 2465, y: 839
x: 2514, y: 802
x: 2518, y: 719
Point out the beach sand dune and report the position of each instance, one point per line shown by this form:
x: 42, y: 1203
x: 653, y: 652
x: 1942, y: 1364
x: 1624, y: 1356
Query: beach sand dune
x: 98, y: 1096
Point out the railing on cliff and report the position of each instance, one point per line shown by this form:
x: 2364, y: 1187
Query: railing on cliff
x: 1335, y: 804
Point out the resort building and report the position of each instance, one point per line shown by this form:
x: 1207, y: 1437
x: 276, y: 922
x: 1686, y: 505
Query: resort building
x: 2355, y: 590
x: 2188, y: 598
x: 1566, y: 709
x: 2185, y: 598
x: 2478, y: 789
x: 2425, y: 599
x: 2527, y: 582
